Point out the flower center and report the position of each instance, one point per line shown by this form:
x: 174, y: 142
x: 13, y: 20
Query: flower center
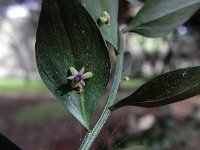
x: 78, y: 78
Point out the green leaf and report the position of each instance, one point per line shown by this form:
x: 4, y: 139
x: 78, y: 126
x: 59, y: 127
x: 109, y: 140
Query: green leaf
x: 90, y: 136
x: 96, y: 9
x: 165, y: 89
x: 159, y: 17
x: 68, y: 37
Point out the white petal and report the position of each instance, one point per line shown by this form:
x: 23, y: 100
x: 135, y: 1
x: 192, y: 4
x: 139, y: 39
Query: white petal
x: 87, y: 75
x: 71, y: 77
x: 81, y: 71
x: 73, y: 71
x: 82, y: 83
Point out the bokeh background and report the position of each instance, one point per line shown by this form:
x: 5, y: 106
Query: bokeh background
x: 32, y: 118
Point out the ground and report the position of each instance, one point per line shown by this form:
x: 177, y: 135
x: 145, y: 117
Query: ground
x: 36, y: 121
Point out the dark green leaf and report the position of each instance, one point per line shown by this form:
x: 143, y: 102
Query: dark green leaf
x: 96, y: 9
x: 67, y: 36
x: 165, y: 89
x: 90, y: 137
x: 159, y: 17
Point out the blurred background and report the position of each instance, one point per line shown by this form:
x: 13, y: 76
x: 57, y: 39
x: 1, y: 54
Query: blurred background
x: 32, y: 118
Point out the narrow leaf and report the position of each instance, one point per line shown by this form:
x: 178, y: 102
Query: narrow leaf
x: 159, y: 17
x: 96, y: 9
x: 67, y: 37
x: 165, y: 89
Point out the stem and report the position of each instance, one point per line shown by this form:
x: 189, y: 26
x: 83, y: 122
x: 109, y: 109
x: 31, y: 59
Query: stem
x: 91, y: 136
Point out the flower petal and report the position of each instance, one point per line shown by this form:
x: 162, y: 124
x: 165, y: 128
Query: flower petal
x: 81, y: 71
x: 73, y: 71
x: 74, y: 84
x: 87, y: 75
x: 82, y: 83
x: 71, y: 77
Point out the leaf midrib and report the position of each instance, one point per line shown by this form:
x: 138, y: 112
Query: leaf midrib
x: 169, y: 97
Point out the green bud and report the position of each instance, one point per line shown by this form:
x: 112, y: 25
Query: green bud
x: 105, y: 18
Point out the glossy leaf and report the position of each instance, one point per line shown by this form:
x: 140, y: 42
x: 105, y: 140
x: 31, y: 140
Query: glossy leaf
x: 68, y: 37
x: 90, y: 137
x: 165, y: 89
x: 96, y: 9
x: 159, y: 17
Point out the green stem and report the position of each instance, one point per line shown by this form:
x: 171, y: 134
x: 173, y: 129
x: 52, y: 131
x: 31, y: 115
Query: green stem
x: 91, y: 136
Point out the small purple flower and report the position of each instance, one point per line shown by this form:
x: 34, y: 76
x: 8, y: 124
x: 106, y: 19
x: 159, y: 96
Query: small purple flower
x: 79, y: 77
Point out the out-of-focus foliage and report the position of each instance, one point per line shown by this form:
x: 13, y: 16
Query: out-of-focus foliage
x: 159, y: 17
x: 18, y: 23
x: 164, y: 131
